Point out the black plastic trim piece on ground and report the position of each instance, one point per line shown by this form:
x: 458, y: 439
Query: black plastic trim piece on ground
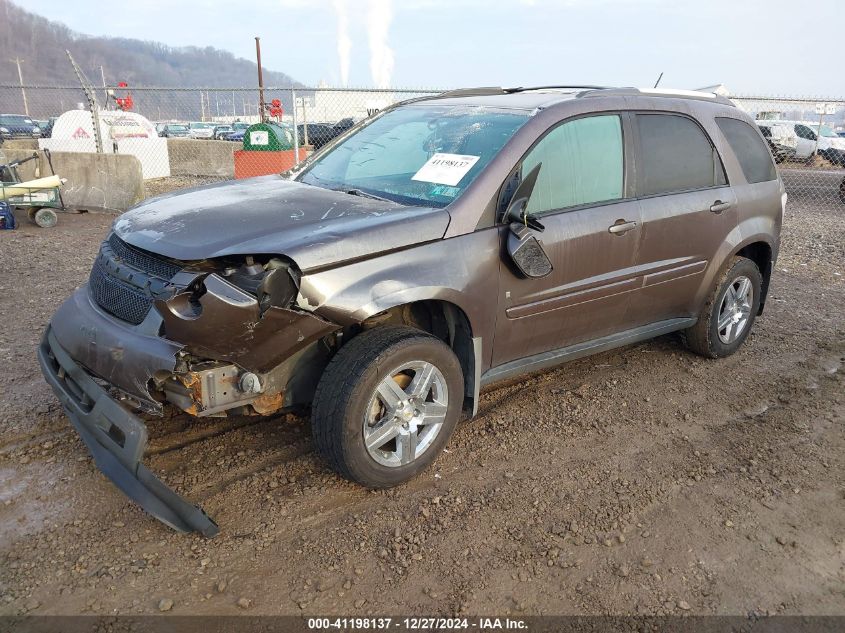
x: 116, y: 439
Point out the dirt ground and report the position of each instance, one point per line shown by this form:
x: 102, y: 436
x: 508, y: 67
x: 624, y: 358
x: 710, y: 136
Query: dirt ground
x: 641, y: 481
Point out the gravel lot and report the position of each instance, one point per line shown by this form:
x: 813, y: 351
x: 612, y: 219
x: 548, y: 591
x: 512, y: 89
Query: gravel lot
x: 641, y: 481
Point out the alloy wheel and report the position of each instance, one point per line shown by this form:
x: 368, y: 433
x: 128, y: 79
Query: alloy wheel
x: 405, y: 414
x: 735, y: 310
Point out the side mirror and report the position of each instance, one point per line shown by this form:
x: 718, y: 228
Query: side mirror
x: 527, y: 253
x: 523, y: 246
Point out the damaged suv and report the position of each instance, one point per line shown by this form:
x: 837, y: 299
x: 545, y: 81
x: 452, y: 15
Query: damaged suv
x: 445, y: 244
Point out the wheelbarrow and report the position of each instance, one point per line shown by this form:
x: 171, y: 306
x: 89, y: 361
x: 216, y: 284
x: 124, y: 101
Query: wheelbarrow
x: 39, y: 197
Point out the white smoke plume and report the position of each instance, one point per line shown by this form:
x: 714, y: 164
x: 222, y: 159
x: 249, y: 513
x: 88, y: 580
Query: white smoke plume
x: 344, y: 42
x: 379, y: 17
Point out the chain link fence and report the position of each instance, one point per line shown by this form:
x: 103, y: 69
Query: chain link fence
x: 182, y: 137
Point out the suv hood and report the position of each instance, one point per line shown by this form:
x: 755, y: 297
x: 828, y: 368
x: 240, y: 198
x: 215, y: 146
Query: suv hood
x: 315, y: 227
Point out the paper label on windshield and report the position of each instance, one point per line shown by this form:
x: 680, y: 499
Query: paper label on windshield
x: 445, y: 169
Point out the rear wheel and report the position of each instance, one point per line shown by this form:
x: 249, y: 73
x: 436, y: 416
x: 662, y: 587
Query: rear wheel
x: 386, y: 405
x: 729, y: 312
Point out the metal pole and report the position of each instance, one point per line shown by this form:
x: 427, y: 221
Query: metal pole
x: 105, y: 92
x: 295, y: 129
x: 260, y: 81
x: 819, y: 133
x: 305, y: 120
x: 19, y: 61
x: 234, y: 112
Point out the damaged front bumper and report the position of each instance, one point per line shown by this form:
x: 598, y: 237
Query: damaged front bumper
x: 116, y: 439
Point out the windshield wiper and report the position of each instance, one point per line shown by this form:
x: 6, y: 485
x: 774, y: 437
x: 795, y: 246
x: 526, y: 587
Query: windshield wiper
x: 358, y: 192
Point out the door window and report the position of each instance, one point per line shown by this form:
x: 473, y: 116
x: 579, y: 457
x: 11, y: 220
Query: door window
x: 804, y: 132
x: 675, y: 155
x: 753, y: 155
x: 583, y: 163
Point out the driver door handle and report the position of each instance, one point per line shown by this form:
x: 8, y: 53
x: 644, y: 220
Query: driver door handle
x: 621, y: 227
x: 719, y: 206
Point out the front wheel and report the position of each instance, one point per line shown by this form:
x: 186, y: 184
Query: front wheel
x: 386, y: 405
x: 729, y: 312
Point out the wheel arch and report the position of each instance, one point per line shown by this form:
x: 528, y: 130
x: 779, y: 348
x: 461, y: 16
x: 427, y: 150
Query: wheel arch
x: 450, y: 323
x: 759, y: 250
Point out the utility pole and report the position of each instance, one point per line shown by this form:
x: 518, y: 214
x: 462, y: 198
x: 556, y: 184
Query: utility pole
x: 19, y: 61
x: 260, y: 81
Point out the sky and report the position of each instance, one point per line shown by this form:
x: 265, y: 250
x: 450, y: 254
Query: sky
x: 754, y: 47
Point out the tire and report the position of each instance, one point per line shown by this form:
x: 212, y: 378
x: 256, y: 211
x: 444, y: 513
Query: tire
x: 353, y: 396
x: 706, y: 337
x: 842, y: 191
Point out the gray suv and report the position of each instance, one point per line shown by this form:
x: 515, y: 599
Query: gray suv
x: 443, y: 245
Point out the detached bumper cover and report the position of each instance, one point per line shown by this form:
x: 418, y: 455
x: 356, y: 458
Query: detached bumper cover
x: 116, y: 439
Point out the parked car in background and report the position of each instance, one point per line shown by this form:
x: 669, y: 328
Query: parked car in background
x: 822, y: 141
x: 174, y: 130
x: 842, y: 133
x: 344, y: 125
x: 240, y: 125
x: 47, y: 129
x: 449, y: 244
x: 18, y: 126
x: 318, y: 134
x: 221, y: 131
x: 782, y: 140
x: 237, y: 136
x: 201, y: 130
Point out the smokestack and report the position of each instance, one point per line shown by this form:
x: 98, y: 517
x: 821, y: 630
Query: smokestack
x: 379, y: 17
x: 344, y: 43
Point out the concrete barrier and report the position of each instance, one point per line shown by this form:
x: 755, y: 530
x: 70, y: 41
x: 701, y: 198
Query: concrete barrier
x: 194, y: 157
x: 95, y: 182
x: 20, y: 143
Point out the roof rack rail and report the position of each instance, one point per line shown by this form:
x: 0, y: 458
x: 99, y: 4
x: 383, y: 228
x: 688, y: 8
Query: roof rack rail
x: 470, y: 92
x: 552, y: 87
x: 696, y: 95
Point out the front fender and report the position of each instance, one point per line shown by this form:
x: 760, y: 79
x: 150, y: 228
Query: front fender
x: 463, y: 270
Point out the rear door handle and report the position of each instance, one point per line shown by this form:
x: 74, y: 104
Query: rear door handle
x: 621, y: 226
x: 719, y: 206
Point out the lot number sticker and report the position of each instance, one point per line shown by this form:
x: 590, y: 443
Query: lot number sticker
x: 445, y: 169
x: 259, y: 137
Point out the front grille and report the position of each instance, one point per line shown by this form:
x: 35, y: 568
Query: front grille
x: 117, y: 297
x: 141, y: 260
x: 126, y: 301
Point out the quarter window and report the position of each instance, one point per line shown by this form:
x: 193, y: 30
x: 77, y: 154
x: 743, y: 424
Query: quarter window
x: 582, y: 164
x: 675, y: 155
x: 753, y: 155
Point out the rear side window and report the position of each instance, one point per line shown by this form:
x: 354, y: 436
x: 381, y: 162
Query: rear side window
x: 751, y: 152
x: 675, y: 155
x: 583, y: 163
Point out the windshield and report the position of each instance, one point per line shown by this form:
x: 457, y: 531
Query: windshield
x: 201, y: 125
x: 16, y: 120
x: 417, y: 154
x: 176, y: 128
x: 825, y: 131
